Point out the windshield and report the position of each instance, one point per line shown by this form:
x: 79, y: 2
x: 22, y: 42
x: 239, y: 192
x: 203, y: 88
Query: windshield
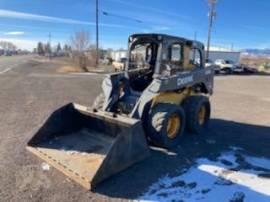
x: 143, y: 55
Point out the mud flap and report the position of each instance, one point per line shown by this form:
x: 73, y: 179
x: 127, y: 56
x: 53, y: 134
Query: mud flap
x: 87, y: 146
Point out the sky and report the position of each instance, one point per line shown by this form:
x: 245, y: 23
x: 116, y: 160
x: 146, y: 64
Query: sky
x: 241, y: 23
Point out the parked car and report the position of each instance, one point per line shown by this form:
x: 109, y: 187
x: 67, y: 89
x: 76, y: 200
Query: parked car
x: 226, y: 66
x: 119, y: 65
x: 244, y: 69
x: 8, y: 53
x: 210, y: 63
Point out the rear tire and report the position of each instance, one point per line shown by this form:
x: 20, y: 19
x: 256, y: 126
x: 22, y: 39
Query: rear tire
x: 198, y: 110
x: 99, y: 102
x: 166, y: 125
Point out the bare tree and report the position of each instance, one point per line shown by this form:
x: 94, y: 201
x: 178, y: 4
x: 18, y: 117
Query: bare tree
x: 80, y: 41
x: 67, y: 49
x: 6, y: 45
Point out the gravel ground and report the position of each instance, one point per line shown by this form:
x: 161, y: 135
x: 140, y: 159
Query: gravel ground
x: 30, y: 92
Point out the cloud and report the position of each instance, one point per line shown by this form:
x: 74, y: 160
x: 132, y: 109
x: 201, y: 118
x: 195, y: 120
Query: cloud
x: 44, y: 18
x: 156, y: 29
x: 151, y: 9
x: 14, y: 33
x: 161, y: 28
x: 21, y: 43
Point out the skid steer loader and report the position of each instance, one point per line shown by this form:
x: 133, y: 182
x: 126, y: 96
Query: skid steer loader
x: 163, y: 90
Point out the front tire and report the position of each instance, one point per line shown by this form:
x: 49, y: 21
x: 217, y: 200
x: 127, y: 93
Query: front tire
x: 166, y: 125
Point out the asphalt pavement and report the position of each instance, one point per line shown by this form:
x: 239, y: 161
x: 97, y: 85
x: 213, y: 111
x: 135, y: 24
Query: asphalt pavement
x: 7, y: 63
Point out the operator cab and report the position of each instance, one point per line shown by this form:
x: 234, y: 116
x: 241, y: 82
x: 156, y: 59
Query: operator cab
x: 155, y: 55
x: 143, y: 51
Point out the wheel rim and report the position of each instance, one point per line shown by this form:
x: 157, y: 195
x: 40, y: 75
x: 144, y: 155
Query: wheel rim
x: 202, y: 115
x: 173, y: 126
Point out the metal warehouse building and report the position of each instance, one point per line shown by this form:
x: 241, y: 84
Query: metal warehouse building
x: 213, y: 55
x: 225, y: 55
x: 118, y: 54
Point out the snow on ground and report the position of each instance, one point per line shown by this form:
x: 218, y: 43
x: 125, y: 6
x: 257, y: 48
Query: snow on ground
x: 45, y: 166
x: 232, y: 177
x: 259, y: 162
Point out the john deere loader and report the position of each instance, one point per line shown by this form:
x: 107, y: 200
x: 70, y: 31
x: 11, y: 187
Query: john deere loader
x: 163, y: 91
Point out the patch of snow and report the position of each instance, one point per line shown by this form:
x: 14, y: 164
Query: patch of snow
x: 45, y: 166
x: 244, y: 178
x: 163, y: 150
x: 235, y: 148
x: 259, y: 162
x: 72, y: 152
x: 228, y: 158
x: 211, y: 181
x: 238, y: 196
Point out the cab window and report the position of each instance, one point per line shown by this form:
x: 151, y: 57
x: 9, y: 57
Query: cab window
x: 175, y: 55
x: 195, y: 57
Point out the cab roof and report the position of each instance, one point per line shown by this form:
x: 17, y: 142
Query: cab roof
x: 167, y: 37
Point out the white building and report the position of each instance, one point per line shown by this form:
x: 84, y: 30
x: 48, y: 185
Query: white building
x: 225, y: 55
x: 117, y: 55
x: 213, y: 55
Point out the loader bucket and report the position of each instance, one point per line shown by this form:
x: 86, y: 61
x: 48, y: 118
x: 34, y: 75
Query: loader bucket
x: 89, y: 146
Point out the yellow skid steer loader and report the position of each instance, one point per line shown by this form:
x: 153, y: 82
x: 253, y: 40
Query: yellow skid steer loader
x: 163, y: 91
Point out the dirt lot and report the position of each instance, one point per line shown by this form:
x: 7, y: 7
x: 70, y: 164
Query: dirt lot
x: 30, y: 91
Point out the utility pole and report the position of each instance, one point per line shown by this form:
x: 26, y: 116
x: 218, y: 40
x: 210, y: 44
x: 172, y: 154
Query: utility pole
x: 49, y: 46
x: 194, y: 50
x: 212, y: 15
x: 97, y: 26
x: 232, y: 46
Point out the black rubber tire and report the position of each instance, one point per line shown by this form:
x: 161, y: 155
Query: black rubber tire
x: 228, y: 71
x: 99, y: 101
x: 192, y: 105
x: 157, y: 124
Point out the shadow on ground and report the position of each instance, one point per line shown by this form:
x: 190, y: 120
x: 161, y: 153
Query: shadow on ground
x: 221, y: 136
x: 245, y: 74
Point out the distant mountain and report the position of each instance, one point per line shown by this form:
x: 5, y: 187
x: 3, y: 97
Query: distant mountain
x: 258, y: 52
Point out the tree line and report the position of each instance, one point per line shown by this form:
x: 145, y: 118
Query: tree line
x: 79, y: 48
x: 45, y: 48
x: 6, y: 45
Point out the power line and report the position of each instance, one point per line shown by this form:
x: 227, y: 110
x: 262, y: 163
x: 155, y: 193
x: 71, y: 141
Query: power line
x: 49, y: 45
x: 97, y: 26
x: 119, y: 16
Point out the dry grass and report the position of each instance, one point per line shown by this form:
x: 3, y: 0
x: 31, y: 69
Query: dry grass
x: 69, y: 69
x: 261, y: 63
x: 255, y: 60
